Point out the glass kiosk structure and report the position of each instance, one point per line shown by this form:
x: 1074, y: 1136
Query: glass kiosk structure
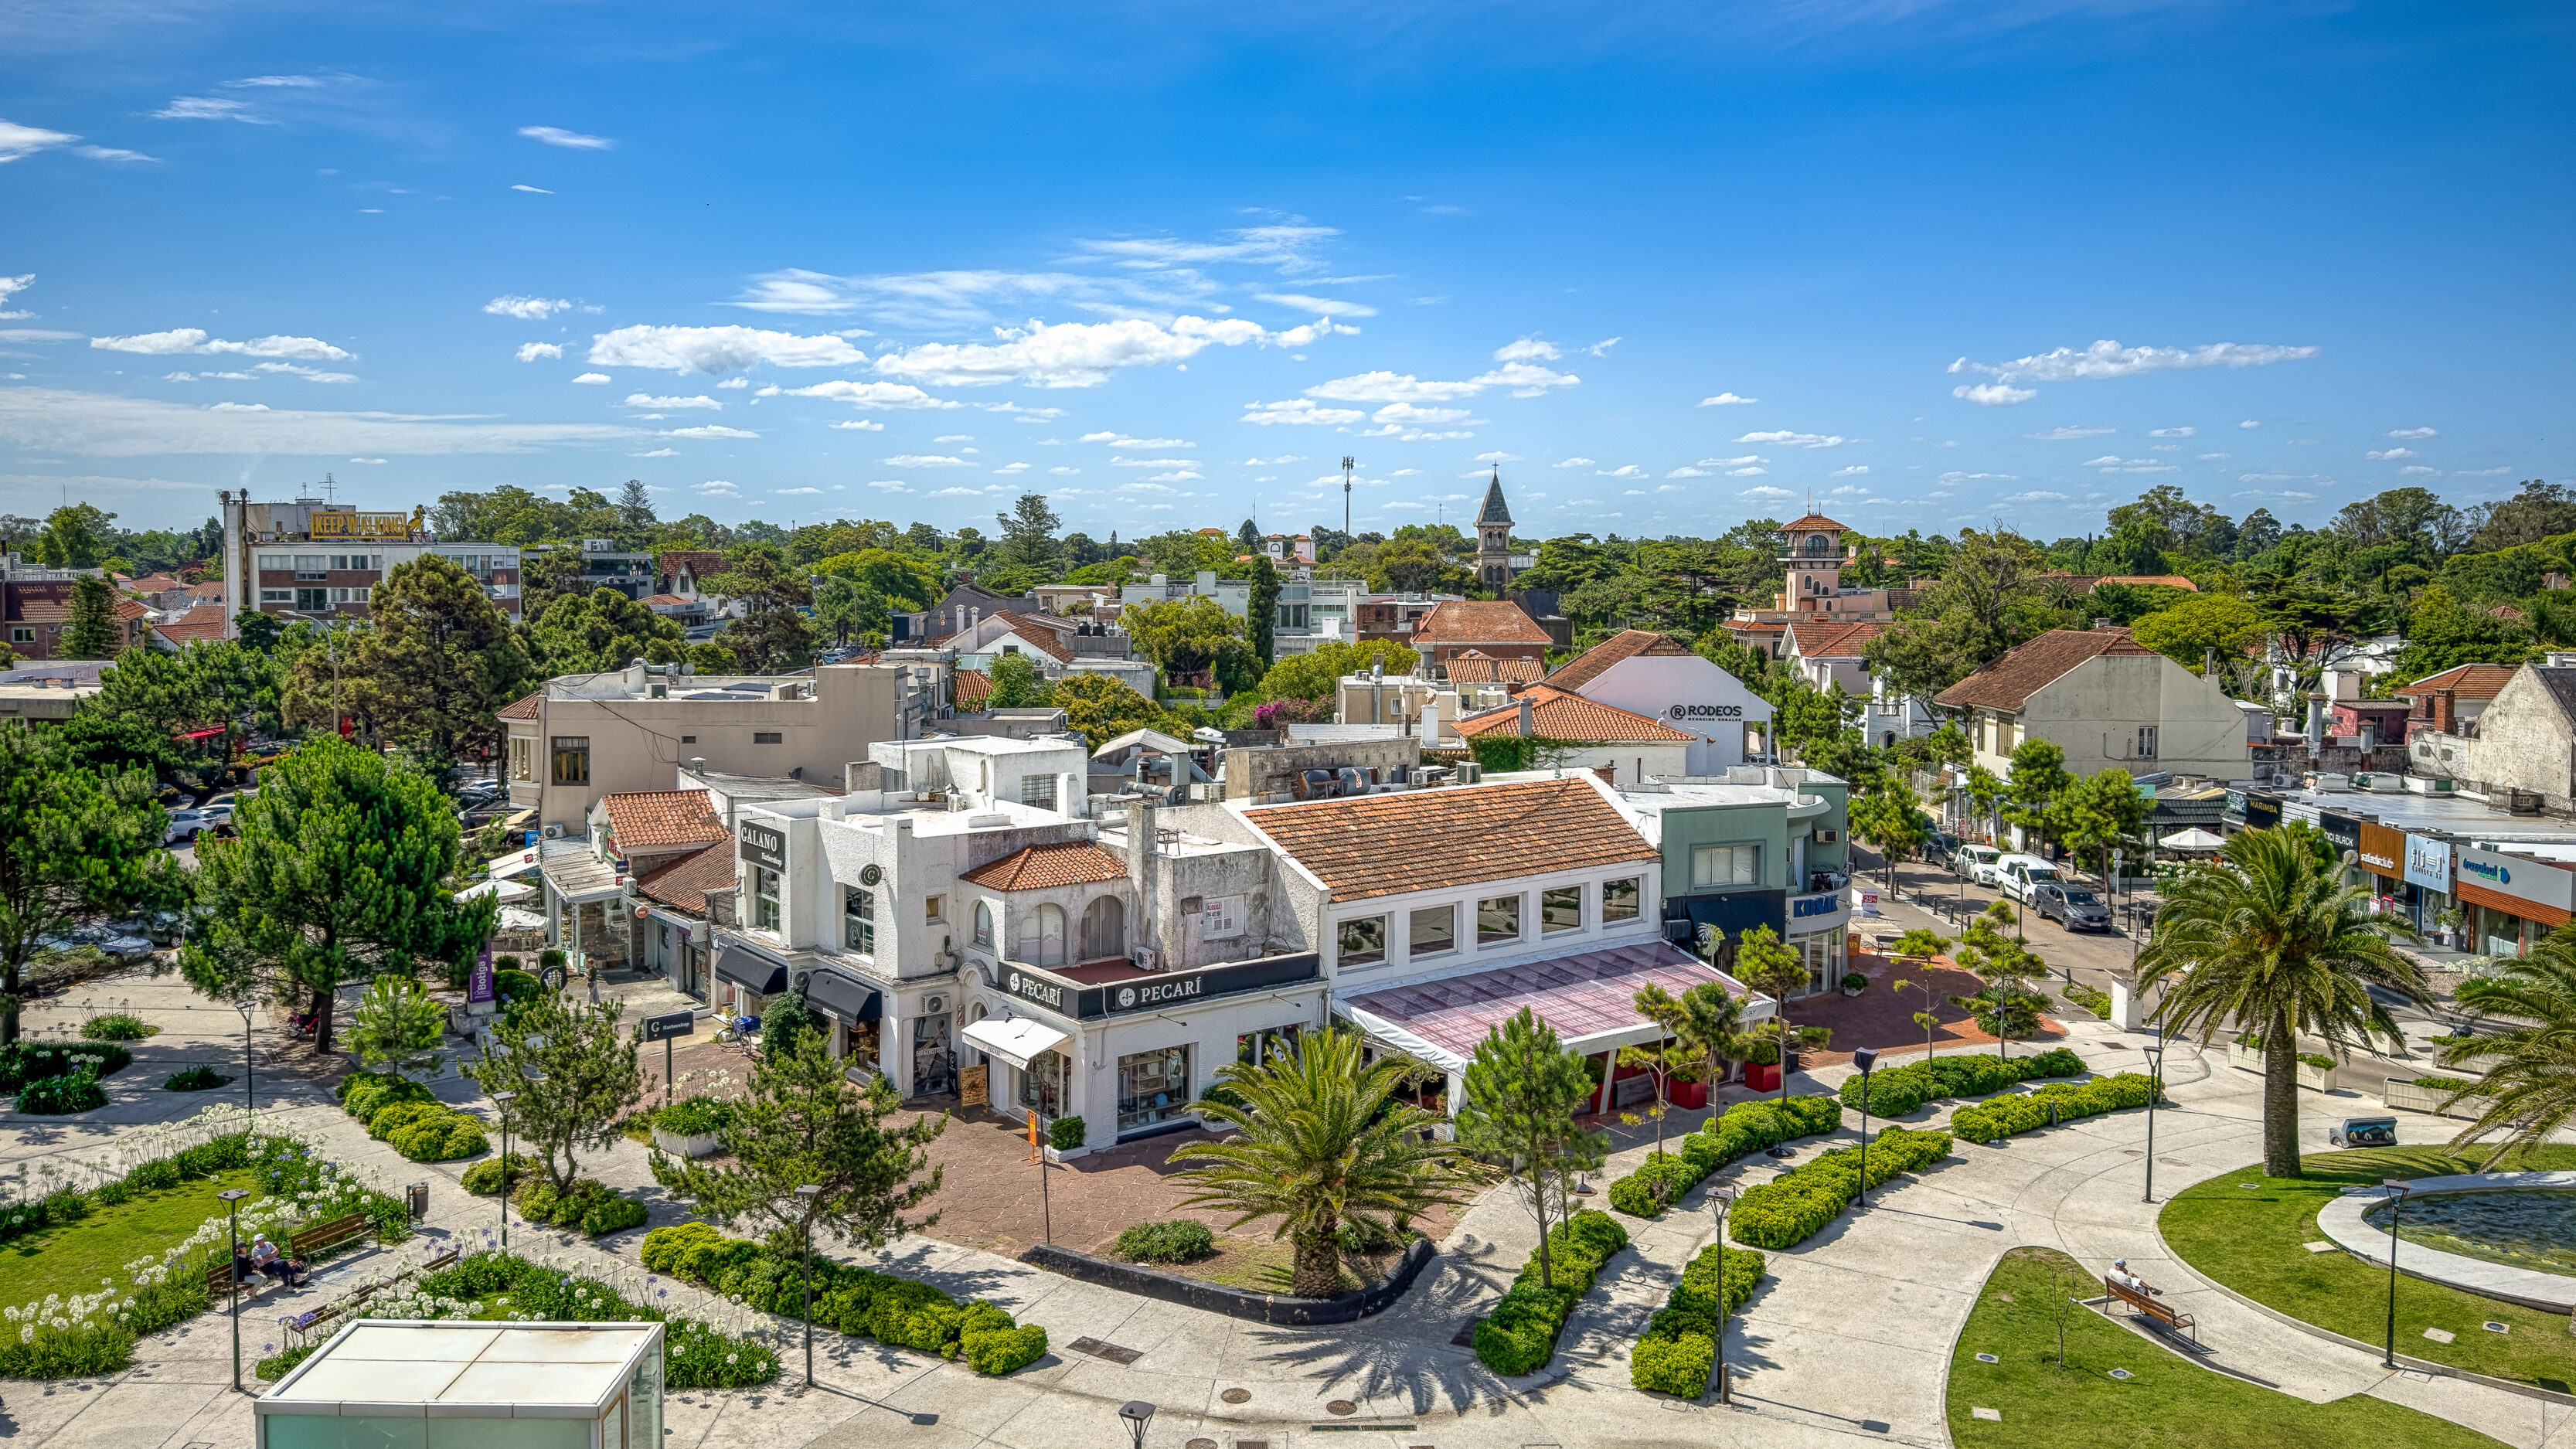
x: 386, y: 1384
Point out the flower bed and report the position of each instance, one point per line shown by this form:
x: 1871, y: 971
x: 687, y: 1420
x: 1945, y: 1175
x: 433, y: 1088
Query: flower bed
x: 901, y: 1312
x: 1994, y: 1120
x: 1899, y: 1090
x: 1746, y: 1127
x: 1519, y: 1335
x: 1679, y: 1347
x: 1798, y: 1204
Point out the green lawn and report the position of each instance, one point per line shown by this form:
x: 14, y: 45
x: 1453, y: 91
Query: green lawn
x: 2245, y: 1230
x: 2166, y: 1401
x: 72, y: 1258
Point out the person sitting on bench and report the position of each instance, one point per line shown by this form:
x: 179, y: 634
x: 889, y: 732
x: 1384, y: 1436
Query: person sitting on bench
x: 2121, y: 1277
x: 246, y: 1274
x: 266, y: 1259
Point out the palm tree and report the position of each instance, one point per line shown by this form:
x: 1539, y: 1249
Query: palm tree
x: 1322, y: 1144
x: 2533, y: 1093
x: 2266, y: 939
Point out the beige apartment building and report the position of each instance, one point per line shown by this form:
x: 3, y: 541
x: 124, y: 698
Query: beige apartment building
x: 2106, y: 700
x: 584, y: 736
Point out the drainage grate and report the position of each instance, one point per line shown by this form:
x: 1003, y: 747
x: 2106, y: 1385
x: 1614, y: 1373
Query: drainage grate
x: 1988, y: 1358
x: 1110, y: 1351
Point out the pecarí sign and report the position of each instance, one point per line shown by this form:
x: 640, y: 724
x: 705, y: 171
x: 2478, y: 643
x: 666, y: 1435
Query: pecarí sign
x: 1158, y: 990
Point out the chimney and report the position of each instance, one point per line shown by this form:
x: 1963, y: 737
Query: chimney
x: 2209, y: 662
x: 2316, y: 722
x: 1431, y: 723
x: 1528, y: 717
x: 1140, y: 851
x: 2446, y: 705
x: 1609, y: 773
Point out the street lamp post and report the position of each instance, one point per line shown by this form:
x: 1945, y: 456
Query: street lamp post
x: 232, y: 1274
x: 1724, y: 1198
x: 1136, y: 1414
x: 503, y: 1101
x: 250, y: 1091
x: 2396, y: 1204
x: 1865, y: 1058
x: 2155, y: 1088
x: 805, y: 1238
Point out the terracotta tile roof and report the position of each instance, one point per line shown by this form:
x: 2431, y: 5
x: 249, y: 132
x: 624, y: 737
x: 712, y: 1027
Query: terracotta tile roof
x: 524, y: 707
x: 1477, y: 667
x: 1043, y: 867
x: 683, y: 883
x: 649, y: 820
x: 1420, y: 840
x: 1479, y: 621
x: 1587, y: 666
x: 47, y: 603
x: 152, y: 583
x: 1038, y: 634
x: 1816, y: 523
x: 2009, y: 682
x: 202, y: 623
x: 701, y: 562
x: 129, y: 610
x: 2469, y: 681
x: 1755, y: 626
x: 667, y: 601
x: 2506, y: 611
x: 970, y: 686
x: 1832, y: 638
x: 2170, y: 581
x: 1561, y: 714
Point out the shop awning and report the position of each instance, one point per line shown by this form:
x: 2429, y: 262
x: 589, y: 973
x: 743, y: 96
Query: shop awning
x: 751, y: 971
x: 206, y: 734
x: 1015, y: 1041
x: 2192, y: 839
x: 508, y: 890
x: 854, y: 1002
x: 1589, y: 998
x: 515, y: 863
x: 1734, y: 913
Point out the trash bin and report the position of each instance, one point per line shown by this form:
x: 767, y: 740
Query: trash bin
x: 417, y: 1198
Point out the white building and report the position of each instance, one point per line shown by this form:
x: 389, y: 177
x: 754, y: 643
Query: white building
x: 1649, y: 674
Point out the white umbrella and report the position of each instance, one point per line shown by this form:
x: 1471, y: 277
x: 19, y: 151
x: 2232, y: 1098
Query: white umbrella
x: 507, y: 890
x: 514, y: 919
x: 2192, y: 839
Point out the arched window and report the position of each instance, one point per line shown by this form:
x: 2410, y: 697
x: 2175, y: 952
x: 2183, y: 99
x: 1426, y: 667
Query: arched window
x: 1104, y: 929
x: 984, y: 925
x: 1820, y: 544
x: 1045, y: 943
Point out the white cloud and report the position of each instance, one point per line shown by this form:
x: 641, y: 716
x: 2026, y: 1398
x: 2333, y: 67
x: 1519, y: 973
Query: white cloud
x: 1153, y: 462
x: 2060, y: 435
x: 1320, y: 306
x: 571, y: 140
x: 891, y: 485
x: 2168, y: 432
x: 924, y: 460
x: 18, y: 141
x: 234, y: 407
x: 1282, y: 459
x: 1728, y: 400
x: 647, y: 400
x: 1602, y: 347
x: 1498, y: 457
x: 1298, y: 410
x: 718, y: 488
x: 2106, y: 359
x: 1576, y: 463
x: 1624, y: 470
x: 1121, y: 440
x: 309, y: 374
x: 1409, y: 416
x: 210, y: 108
x: 1409, y: 472
x: 1527, y: 349
x: 366, y: 460
x: 737, y: 382
x: 2114, y: 463
x: 1688, y: 473
x: 531, y: 351
x: 871, y: 395
x: 1177, y: 475
x: 193, y: 339
x: 11, y: 285
x: 527, y: 309
x: 2164, y: 448
x: 1796, y: 440
x: 1732, y: 462
x: 1288, y: 246
x: 660, y: 453
x: 2417, y: 471
x: 57, y: 420
x: 1012, y: 468
x: 792, y: 492
x: 1079, y: 354
x: 1957, y: 477
x: 2249, y: 423
x: 523, y: 186
x: 2036, y: 496
x: 859, y: 425
x: 1063, y: 472
x: 2377, y: 455
x: 594, y: 378
x: 1746, y: 472
x: 707, y: 430
x: 2211, y: 457
x: 2480, y: 472
x: 1854, y: 471
x: 2412, y: 433
x: 1994, y: 394
x: 956, y: 493
x: 1524, y: 379
x: 1766, y: 491
x: 955, y: 438
x: 719, y: 349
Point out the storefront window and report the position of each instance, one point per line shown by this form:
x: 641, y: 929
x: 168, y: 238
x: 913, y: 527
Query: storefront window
x: 1560, y: 910
x: 1361, y: 942
x: 1619, y: 900
x: 1435, y: 929
x: 764, y: 898
x: 1042, y: 1085
x: 1255, y: 1047
x: 1498, y: 920
x: 1824, y: 953
x: 859, y: 920
x: 1153, y: 1087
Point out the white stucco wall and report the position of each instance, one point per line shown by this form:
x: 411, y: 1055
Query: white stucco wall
x: 1714, y: 704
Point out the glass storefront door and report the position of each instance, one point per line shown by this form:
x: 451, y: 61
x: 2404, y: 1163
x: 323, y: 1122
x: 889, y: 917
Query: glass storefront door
x: 934, y: 1065
x: 1042, y: 1085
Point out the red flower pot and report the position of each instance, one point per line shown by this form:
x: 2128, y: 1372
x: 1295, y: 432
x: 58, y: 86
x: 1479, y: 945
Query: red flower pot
x: 1690, y: 1094
x: 1762, y: 1077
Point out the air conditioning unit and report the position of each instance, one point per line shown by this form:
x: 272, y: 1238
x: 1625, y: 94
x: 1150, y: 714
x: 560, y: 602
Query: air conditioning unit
x: 554, y: 832
x: 1144, y: 958
x: 1828, y: 837
x: 1470, y: 773
x: 934, y: 1004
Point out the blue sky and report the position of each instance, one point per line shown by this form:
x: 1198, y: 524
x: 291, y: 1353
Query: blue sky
x: 1674, y: 265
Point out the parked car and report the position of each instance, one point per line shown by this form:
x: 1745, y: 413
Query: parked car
x: 1976, y: 862
x: 1938, y: 847
x: 187, y: 825
x: 2076, y: 907
x: 117, y: 945
x: 2019, y: 875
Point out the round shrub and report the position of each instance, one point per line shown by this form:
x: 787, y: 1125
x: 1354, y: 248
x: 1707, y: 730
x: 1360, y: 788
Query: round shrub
x: 199, y: 1078
x: 116, y: 1026
x: 393, y: 1117
x: 1179, y: 1240
x: 441, y: 1138
x: 1677, y: 1365
x: 484, y: 1178
x: 1066, y: 1133
x: 1002, y: 1350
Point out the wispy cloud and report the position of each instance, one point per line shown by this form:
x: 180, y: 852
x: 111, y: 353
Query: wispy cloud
x: 570, y: 140
x: 194, y: 339
x: 1728, y: 400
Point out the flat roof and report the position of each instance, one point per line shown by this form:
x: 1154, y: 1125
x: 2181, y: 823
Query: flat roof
x: 2450, y: 814
x: 515, y: 1370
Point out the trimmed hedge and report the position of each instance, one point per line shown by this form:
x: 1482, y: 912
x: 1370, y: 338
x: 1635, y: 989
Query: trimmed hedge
x: 1519, y: 1335
x: 695, y: 1354
x: 22, y: 1061
x: 1899, y: 1090
x: 1799, y: 1203
x: 592, y: 1206
x: 1746, y: 1127
x: 363, y: 1094
x: 426, y: 1131
x: 1177, y: 1240
x: 861, y: 1303
x: 1994, y: 1120
x: 1679, y: 1347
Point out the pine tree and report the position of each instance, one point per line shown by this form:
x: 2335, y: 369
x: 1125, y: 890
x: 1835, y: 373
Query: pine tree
x: 76, y: 844
x: 1261, y: 610
x: 92, y: 632
x: 1523, y: 1091
x: 574, y: 1072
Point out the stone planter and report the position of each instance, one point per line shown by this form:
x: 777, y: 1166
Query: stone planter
x: 1066, y: 1154
x: 1689, y: 1096
x: 695, y: 1144
x: 2406, y: 1095
x: 2320, y: 1078
x: 2244, y: 1060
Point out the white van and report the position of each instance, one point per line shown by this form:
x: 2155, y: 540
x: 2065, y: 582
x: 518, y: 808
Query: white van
x: 2018, y: 874
x: 1976, y: 862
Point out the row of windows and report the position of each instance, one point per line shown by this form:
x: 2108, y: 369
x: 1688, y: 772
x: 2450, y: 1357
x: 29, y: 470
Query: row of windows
x: 1433, y: 930
x: 314, y: 600
x: 1042, y: 941
x: 314, y: 563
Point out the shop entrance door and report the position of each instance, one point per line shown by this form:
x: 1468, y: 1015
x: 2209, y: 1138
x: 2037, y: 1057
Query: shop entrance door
x: 934, y: 1062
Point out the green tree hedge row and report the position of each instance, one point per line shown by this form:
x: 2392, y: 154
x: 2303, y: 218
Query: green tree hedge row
x: 1679, y: 1347
x: 1519, y: 1336
x: 1746, y: 1127
x: 1899, y: 1090
x: 1796, y: 1205
x: 2056, y: 1102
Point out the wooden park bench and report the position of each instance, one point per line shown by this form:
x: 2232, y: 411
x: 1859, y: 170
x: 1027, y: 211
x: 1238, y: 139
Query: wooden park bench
x: 304, y: 1323
x: 2141, y: 1301
x: 313, y: 1239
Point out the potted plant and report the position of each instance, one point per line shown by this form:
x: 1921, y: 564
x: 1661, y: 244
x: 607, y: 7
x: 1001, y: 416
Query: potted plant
x: 1761, y: 1063
x: 1065, y: 1139
x: 2446, y: 927
x: 1854, y: 983
x: 691, y: 1126
x: 1685, y: 1090
x: 2246, y: 1053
